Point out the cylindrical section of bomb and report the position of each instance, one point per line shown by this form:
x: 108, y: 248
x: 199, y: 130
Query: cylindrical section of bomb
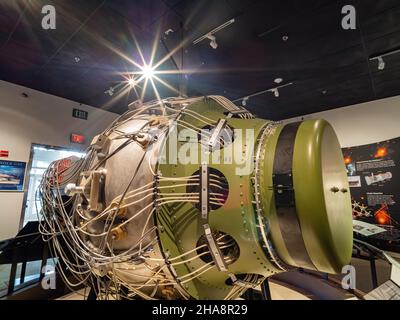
x: 305, y: 196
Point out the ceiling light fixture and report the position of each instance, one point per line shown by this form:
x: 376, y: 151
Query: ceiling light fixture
x: 379, y: 57
x: 210, y: 35
x: 213, y: 42
x: 275, y: 91
x: 278, y: 80
x: 244, y: 101
x: 132, y: 82
x: 148, y: 71
x: 110, y: 91
x: 381, y: 63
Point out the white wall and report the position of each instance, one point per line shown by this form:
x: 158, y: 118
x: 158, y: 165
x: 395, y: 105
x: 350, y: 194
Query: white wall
x: 363, y: 123
x: 42, y: 119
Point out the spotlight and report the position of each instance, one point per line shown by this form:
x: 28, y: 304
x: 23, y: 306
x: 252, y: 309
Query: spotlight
x: 213, y: 42
x: 148, y: 72
x: 110, y: 91
x: 210, y: 35
x: 382, y: 64
x: 132, y: 82
x: 274, y: 90
x: 168, y: 32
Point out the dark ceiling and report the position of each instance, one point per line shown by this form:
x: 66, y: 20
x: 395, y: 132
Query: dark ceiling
x: 329, y: 66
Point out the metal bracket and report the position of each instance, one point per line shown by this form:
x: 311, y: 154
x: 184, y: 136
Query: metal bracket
x: 95, y: 202
x: 204, y: 184
x: 283, y: 190
x: 100, y: 143
x: 216, y: 133
x: 243, y: 284
x: 214, y: 249
x: 91, y: 188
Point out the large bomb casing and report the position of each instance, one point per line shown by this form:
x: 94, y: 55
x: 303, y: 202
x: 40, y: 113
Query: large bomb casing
x: 197, y: 198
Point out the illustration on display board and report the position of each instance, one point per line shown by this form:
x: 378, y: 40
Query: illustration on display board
x: 373, y: 173
x: 12, y: 175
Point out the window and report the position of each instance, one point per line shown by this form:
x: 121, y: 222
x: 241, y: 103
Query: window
x: 42, y: 157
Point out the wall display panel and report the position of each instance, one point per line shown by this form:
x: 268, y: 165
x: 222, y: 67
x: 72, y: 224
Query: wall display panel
x: 374, y: 178
x: 12, y: 174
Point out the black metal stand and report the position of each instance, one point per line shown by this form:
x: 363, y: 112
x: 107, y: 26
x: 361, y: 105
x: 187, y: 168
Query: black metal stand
x: 92, y: 295
x: 371, y: 257
x: 265, y: 290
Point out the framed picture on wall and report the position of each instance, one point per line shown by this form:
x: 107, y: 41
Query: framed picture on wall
x: 12, y: 174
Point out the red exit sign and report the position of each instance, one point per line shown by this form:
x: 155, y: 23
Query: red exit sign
x: 4, y: 153
x: 77, y: 138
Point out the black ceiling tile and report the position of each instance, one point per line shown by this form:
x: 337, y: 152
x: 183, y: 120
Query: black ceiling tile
x: 367, y: 9
x: 142, y: 13
x: 10, y: 12
x: 204, y: 15
x: 381, y: 24
x: 327, y: 64
x: 383, y: 44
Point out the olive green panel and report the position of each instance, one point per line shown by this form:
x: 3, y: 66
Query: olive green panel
x: 181, y: 224
x: 325, y: 216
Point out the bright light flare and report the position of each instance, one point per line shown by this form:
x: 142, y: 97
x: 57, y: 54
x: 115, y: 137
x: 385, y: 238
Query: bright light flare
x: 148, y: 72
x: 132, y: 82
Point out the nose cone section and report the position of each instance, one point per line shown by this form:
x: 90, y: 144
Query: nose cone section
x: 323, y: 199
x: 309, y: 206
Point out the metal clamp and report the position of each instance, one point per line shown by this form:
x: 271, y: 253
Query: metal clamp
x: 242, y: 283
x: 204, y: 184
x: 216, y: 133
x: 214, y: 249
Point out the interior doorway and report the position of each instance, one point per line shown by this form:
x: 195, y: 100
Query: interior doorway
x: 42, y: 156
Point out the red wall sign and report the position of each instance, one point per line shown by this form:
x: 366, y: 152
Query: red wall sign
x: 77, y: 138
x: 4, y: 153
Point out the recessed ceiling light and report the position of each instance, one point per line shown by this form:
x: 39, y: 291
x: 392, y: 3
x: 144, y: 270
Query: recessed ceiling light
x: 285, y: 38
x: 278, y: 80
x: 324, y: 91
x: 77, y: 59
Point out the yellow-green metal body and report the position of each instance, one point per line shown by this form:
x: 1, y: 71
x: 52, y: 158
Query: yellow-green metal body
x: 324, y: 216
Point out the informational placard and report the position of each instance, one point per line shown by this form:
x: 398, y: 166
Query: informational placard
x: 12, y: 174
x: 374, y: 178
